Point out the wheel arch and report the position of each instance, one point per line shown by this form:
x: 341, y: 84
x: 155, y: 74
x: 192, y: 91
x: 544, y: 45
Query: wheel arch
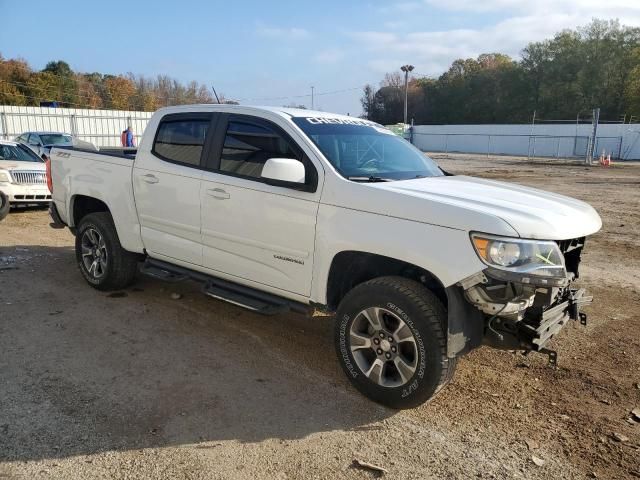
x: 82, y: 205
x: 465, y: 324
x: 350, y: 268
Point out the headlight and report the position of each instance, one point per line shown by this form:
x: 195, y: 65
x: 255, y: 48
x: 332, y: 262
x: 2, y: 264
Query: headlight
x: 531, y: 257
x: 4, y: 176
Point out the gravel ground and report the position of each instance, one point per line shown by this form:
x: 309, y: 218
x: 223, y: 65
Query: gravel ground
x: 139, y: 385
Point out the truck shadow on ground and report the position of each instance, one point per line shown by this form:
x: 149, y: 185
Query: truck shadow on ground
x: 84, y: 372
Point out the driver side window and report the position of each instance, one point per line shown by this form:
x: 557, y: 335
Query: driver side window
x: 34, y: 140
x: 247, y: 146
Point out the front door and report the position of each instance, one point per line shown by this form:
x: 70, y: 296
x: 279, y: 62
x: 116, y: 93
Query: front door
x: 251, y: 230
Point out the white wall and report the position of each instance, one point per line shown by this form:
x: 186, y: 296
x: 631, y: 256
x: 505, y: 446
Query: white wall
x: 549, y: 140
x: 101, y: 127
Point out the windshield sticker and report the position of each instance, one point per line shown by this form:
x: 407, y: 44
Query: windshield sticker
x: 339, y: 121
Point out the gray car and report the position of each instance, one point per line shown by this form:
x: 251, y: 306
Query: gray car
x: 42, y: 142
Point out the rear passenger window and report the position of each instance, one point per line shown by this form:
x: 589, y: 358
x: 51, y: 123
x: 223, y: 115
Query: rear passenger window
x: 248, y: 146
x: 181, y: 141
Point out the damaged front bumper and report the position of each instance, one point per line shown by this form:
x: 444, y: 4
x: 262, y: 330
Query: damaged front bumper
x: 536, y: 334
x: 524, y: 314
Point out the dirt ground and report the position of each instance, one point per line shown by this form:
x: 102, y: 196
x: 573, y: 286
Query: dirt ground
x: 139, y: 385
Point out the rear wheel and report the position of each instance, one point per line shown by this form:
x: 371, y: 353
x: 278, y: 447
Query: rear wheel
x: 103, y: 262
x: 391, y: 341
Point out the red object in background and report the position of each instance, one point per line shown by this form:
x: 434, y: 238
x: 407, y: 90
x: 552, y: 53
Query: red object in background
x: 47, y: 163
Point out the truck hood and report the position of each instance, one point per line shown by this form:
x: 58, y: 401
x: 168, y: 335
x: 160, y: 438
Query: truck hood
x: 15, y: 165
x: 532, y: 213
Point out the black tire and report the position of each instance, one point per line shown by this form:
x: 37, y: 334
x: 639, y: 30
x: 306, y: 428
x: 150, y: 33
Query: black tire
x: 422, y: 314
x: 120, y: 266
x: 4, y: 205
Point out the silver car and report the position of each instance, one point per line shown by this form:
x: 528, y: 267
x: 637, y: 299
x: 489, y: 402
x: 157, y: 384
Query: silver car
x: 42, y: 142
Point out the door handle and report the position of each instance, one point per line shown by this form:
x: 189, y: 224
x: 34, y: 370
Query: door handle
x: 218, y: 193
x: 149, y: 178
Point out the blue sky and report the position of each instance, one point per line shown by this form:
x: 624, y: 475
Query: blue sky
x: 254, y: 50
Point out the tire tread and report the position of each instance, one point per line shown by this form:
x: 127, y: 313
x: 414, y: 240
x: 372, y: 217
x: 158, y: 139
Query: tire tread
x: 430, y: 311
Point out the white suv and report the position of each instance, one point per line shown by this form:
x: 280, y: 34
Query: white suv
x: 22, y: 175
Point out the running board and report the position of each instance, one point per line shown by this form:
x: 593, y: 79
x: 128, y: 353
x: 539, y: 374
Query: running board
x: 246, y: 297
x: 161, y: 273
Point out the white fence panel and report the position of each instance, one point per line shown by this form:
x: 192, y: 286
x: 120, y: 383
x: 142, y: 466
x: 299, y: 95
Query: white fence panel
x: 101, y: 127
x: 545, y: 140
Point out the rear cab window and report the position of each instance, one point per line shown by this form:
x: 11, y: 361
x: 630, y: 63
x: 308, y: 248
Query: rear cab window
x: 181, y: 139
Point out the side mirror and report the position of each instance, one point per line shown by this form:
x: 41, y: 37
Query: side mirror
x: 284, y: 172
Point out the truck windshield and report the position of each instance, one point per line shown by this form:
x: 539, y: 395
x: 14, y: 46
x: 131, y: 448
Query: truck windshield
x: 365, y: 151
x: 18, y: 153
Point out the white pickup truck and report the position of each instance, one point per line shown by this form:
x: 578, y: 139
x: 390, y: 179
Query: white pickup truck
x: 278, y: 209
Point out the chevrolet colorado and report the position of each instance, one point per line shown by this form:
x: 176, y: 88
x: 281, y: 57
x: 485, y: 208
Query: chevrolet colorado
x: 278, y: 209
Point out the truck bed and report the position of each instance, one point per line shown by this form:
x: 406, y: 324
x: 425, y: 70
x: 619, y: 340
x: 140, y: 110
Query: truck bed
x: 123, y: 152
x: 104, y: 175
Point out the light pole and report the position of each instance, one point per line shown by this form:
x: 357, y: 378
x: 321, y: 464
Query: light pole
x: 406, y: 69
x: 312, y: 97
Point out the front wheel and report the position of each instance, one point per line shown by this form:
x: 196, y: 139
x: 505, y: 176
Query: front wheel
x: 391, y: 341
x: 103, y: 262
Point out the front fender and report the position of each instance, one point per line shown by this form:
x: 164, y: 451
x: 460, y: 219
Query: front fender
x: 445, y: 252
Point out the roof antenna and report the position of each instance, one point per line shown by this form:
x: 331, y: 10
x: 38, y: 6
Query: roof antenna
x: 214, y: 92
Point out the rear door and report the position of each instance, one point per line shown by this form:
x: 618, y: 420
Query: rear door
x: 253, y: 231
x: 166, y: 184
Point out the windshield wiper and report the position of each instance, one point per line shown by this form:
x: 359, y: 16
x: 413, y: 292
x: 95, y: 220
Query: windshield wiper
x: 371, y: 179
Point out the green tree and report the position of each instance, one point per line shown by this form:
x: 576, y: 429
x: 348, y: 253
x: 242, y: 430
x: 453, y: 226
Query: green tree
x: 575, y: 71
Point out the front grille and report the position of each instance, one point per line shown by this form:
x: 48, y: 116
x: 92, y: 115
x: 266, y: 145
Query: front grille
x: 32, y: 197
x: 29, y: 177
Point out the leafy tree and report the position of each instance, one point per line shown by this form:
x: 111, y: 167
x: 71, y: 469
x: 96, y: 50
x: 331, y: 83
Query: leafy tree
x: 570, y: 74
x: 368, y: 102
x: 59, y: 68
x: 632, y: 86
x: 120, y: 91
x: 14, y: 78
x: 20, y: 85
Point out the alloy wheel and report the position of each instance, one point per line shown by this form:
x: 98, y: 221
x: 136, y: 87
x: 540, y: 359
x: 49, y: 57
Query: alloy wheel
x: 94, y: 253
x: 384, y: 347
